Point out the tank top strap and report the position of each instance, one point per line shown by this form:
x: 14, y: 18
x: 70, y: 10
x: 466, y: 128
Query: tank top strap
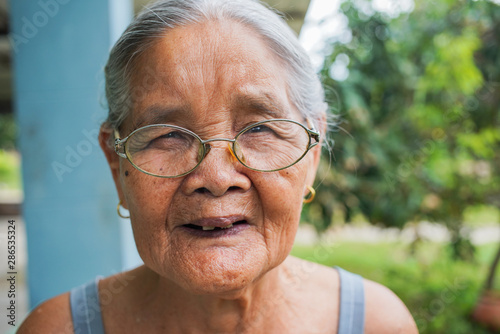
x: 86, y: 309
x: 352, y: 303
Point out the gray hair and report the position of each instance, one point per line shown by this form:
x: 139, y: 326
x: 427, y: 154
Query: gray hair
x: 304, y: 86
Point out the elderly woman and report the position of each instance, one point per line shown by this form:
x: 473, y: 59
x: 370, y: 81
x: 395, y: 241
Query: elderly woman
x: 215, y: 116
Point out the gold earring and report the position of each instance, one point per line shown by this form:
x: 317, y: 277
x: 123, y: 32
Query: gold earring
x: 312, y: 194
x: 118, y: 210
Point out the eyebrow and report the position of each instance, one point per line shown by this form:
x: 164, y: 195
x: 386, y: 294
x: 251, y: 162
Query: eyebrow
x: 157, y: 114
x: 264, y: 103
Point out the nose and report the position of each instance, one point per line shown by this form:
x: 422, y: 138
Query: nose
x: 218, y: 173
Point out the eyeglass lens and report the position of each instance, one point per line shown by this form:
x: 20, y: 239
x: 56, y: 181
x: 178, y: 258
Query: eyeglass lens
x: 170, y: 151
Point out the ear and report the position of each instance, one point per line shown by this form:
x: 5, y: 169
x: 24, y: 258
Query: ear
x: 311, y: 174
x: 316, y: 153
x: 106, y: 139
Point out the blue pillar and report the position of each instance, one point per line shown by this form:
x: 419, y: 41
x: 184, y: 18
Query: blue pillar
x: 60, y: 48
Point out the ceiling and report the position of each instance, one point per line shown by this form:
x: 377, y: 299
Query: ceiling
x: 294, y: 11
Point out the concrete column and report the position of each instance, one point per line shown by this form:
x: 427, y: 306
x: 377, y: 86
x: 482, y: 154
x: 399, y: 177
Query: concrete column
x: 59, y: 50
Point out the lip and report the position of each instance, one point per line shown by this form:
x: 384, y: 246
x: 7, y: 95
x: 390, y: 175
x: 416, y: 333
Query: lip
x: 215, y: 234
x: 238, y: 225
x: 218, y: 221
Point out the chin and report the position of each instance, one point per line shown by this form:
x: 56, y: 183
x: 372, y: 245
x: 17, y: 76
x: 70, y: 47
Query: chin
x: 225, y: 272
x: 218, y: 287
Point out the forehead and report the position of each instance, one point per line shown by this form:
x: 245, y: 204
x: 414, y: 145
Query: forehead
x: 208, y: 65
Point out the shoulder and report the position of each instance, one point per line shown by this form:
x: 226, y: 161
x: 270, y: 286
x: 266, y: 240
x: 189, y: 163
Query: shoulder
x: 385, y: 312
x: 312, y: 274
x: 312, y: 291
x: 52, y: 316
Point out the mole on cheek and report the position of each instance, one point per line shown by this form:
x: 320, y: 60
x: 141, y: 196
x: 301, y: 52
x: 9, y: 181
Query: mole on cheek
x: 126, y: 173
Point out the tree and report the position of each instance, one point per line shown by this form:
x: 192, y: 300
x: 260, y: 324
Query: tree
x: 420, y: 117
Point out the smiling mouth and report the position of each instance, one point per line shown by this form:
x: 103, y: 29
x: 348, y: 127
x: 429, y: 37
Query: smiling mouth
x: 214, y: 228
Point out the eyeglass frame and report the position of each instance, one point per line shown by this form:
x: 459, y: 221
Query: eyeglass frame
x: 121, y: 144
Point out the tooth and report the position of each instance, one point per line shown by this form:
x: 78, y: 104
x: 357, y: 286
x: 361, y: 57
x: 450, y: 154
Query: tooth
x: 208, y: 228
x: 228, y: 226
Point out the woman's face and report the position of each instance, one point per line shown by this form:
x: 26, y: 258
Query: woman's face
x: 213, y: 79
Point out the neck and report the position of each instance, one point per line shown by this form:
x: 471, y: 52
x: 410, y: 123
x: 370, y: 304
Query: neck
x: 229, y: 312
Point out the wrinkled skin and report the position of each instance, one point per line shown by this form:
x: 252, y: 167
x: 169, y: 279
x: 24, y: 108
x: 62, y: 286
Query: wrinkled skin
x: 214, y: 79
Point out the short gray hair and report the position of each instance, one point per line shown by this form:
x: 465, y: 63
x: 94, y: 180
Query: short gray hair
x: 304, y: 86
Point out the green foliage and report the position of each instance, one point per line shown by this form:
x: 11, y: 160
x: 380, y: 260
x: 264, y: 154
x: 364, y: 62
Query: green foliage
x: 439, y: 292
x: 479, y: 215
x: 420, y: 124
x: 10, y: 170
x: 7, y: 132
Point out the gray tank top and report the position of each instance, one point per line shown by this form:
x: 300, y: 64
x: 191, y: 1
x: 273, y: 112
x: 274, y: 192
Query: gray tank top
x: 87, y: 318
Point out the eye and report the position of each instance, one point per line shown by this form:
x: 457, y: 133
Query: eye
x: 173, y: 134
x: 160, y: 138
x: 171, y: 139
x: 277, y: 130
x: 260, y: 128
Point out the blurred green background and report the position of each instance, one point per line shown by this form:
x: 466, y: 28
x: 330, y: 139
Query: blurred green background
x: 416, y: 139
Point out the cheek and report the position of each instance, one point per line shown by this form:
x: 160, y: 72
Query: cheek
x: 281, y: 197
x: 146, y: 195
x: 148, y: 199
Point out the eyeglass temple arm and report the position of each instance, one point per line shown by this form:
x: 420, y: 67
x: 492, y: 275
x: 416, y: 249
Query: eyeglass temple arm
x: 119, y: 147
x: 315, y: 134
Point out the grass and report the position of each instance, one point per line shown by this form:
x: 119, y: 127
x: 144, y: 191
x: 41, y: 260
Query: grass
x: 481, y: 215
x: 440, y: 293
x: 10, y: 170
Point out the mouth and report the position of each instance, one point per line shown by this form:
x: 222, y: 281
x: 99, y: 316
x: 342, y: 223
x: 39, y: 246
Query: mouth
x: 216, y: 227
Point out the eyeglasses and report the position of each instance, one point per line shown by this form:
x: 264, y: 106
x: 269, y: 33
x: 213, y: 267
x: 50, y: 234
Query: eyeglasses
x: 169, y: 151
